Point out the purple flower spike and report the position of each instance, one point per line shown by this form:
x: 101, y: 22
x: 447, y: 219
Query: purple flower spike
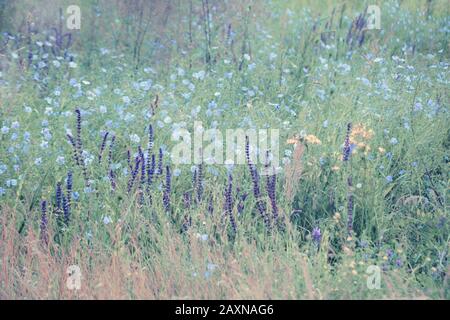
x: 210, y: 205
x: 44, y: 222
x: 167, y: 189
x: 134, y: 173
x: 58, y: 198
x: 187, y: 197
x: 150, y: 172
x: 229, y: 203
x: 79, y: 143
x: 66, y: 211
x: 347, y: 147
x: 160, y: 162
x: 111, y: 174
x: 75, y: 150
x: 69, y: 187
x: 129, y: 160
x: 200, y: 182
x: 150, y: 138
x: 316, y: 235
x: 102, y: 147
x: 255, y: 180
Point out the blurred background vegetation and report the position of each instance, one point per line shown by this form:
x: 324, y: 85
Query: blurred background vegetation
x: 159, y: 30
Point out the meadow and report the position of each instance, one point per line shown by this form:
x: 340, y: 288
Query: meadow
x: 93, y: 204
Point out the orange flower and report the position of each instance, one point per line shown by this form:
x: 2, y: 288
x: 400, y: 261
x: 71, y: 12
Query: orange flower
x: 294, y: 140
x: 312, y: 139
x: 360, y: 136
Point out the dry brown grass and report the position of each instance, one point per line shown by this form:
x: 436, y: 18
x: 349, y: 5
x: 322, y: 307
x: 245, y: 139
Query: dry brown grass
x: 294, y: 171
x: 30, y: 270
x: 128, y: 270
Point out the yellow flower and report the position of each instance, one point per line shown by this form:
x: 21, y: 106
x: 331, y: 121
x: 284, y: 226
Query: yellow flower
x: 337, y: 216
x: 381, y: 150
x: 359, y: 137
x: 293, y: 140
x: 312, y: 139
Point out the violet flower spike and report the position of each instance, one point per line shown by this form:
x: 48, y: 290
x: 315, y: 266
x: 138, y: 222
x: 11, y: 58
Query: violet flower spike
x: 255, y: 180
x: 58, y: 198
x: 160, y: 162
x: 133, y: 174
x: 210, y: 206
x: 129, y: 160
x: 66, y: 211
x: 316, y: 235
x: 200, y: 183
x: 44, y: 223
x: 271, y: 190
x: 187, y: 197
x: 69, y: 188
x: 79, y: 143
x: 150, y: 172
x: 150, y: 138
x: 229, y: 203
x: 347, y: 147
x: 110, y: 153
x: 167, y: 189
x: 75, y: 150
x: 102, y: 147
